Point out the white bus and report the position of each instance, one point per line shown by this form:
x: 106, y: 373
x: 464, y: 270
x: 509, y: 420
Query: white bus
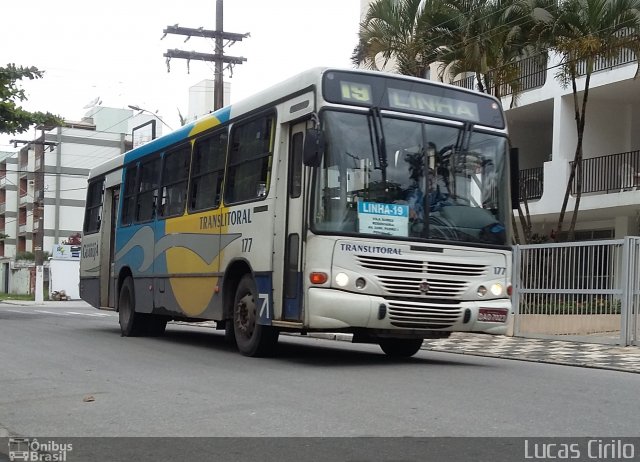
x: 337, y: 201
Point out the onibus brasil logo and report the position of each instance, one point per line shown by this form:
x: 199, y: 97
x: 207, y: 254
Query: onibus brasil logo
x: 32, y: 450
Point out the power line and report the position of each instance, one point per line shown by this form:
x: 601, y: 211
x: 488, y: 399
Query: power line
x: 218, y: 57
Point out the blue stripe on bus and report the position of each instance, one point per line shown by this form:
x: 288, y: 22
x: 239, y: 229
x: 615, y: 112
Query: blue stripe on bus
x: 181, y: 134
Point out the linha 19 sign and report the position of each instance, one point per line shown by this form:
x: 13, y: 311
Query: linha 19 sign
x: 385, y: 219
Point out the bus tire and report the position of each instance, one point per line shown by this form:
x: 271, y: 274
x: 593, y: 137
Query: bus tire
x: 252, y: 339
x: 400, y: 347
x: 131, y: 323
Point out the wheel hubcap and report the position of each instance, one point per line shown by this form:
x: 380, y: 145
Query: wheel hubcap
x: 245, y: 315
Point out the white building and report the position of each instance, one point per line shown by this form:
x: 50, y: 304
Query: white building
x: 43, y: 184
x: 542, y: 125
x: 202, y: 99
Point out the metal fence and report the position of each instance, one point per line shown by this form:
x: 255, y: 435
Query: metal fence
x: 610, y: 173
x: 580, y: 291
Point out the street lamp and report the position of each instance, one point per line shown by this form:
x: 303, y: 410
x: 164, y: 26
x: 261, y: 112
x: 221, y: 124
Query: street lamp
x: 138, y: 108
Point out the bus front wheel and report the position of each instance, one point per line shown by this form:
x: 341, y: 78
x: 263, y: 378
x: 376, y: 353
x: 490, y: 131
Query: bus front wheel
x: 131, y: 323
x: 400, y: 347
x: 253, y: 339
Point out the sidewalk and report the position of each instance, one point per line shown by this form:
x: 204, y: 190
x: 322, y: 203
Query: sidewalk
x: 577, y: 354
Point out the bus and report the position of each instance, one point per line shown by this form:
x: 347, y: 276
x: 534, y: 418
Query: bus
x: 336, y: 201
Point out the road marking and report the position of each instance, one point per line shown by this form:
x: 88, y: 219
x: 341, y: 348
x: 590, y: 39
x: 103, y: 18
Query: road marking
x: 88, y: 314
x: 99, y: 315
x: 49, y: 312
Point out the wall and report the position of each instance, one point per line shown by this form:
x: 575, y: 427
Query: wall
x: 20, y: 280
x: 108, y: 119
x: 606, y: 130
x: 65, y: 275
x: 635, y: 129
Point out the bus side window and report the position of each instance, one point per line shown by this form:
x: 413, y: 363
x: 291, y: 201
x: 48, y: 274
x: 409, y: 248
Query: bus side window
x: 147, y: 190
x: 207, y: 171
x: 295, y: 171
x: 93, y: 211
x: 175, y: 171
x: 129, y: 196
x: 250, y: 160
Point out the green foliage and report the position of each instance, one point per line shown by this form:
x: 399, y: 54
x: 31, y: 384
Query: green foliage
x: 25, y: 256
x: 13, y: 118
x: 26, y: 297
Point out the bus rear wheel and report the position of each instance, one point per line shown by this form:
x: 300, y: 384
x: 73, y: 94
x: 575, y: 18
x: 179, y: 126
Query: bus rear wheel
x: 131, y: 323
x: 400, y: 347
x: 253, y: 339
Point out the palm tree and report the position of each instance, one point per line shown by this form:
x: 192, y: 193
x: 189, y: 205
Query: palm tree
x: 488, y: 38
x: 399, y: 31
x: 581, y: 31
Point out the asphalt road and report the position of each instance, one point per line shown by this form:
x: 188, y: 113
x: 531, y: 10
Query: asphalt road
x: 66, y: 372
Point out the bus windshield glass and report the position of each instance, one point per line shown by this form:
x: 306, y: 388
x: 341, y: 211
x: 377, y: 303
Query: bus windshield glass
x: 402, y: 178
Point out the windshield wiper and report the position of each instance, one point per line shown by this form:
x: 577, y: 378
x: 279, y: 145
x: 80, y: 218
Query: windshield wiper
x: 464, y: 138
x: 381, y: 145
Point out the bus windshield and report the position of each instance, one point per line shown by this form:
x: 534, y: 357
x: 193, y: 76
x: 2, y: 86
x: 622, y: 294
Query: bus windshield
x: 402, y: 178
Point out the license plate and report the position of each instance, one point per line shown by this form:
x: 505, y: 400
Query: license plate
x: 492, y: 314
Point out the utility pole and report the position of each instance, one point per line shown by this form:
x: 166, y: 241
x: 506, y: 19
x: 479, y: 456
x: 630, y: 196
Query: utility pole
x: 219, y: 58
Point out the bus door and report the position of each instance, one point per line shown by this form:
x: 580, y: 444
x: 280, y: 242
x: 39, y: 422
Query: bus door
x: 107, y: 279
x: 292, y: 280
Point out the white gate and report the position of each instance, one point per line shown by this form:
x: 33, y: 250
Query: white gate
x: 581, y: 291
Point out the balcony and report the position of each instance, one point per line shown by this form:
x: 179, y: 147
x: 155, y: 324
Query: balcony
x: 531, y: 183
x: 600, y: 175
x: 532, y: 74
x: 25, y: 198
x: 610, y: 174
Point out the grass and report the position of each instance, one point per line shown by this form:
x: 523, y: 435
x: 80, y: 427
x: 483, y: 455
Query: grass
x: 28, y: 297
x: 4, y: 296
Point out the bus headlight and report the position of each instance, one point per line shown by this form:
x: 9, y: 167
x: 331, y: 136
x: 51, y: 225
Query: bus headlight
x: 342, y: 279
x: 497, y: 289
x: 360, y: 283
x: 482, y: 291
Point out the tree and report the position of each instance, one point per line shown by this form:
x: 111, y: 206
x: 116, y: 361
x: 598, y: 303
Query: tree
x: 581, y: 31
x: 13, y: 118
x: 400, y: 31
x: 489, y: 39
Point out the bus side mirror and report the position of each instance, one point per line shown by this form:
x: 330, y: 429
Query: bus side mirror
x: 514, y: 161
x: 313, y: 147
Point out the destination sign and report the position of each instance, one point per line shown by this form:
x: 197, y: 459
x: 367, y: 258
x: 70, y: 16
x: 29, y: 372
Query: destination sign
x: 431, y: 104
x: 385, y: 219
x: 411, y: 95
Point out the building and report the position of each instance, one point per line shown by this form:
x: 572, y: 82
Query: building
x: 542, y: 125
x: 201, y: 98
x: 43, y: 186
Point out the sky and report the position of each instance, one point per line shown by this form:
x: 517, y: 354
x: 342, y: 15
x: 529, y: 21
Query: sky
x: 114, y: 50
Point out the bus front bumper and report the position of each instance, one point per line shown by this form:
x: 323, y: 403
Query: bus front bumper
x: 330, y: 310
